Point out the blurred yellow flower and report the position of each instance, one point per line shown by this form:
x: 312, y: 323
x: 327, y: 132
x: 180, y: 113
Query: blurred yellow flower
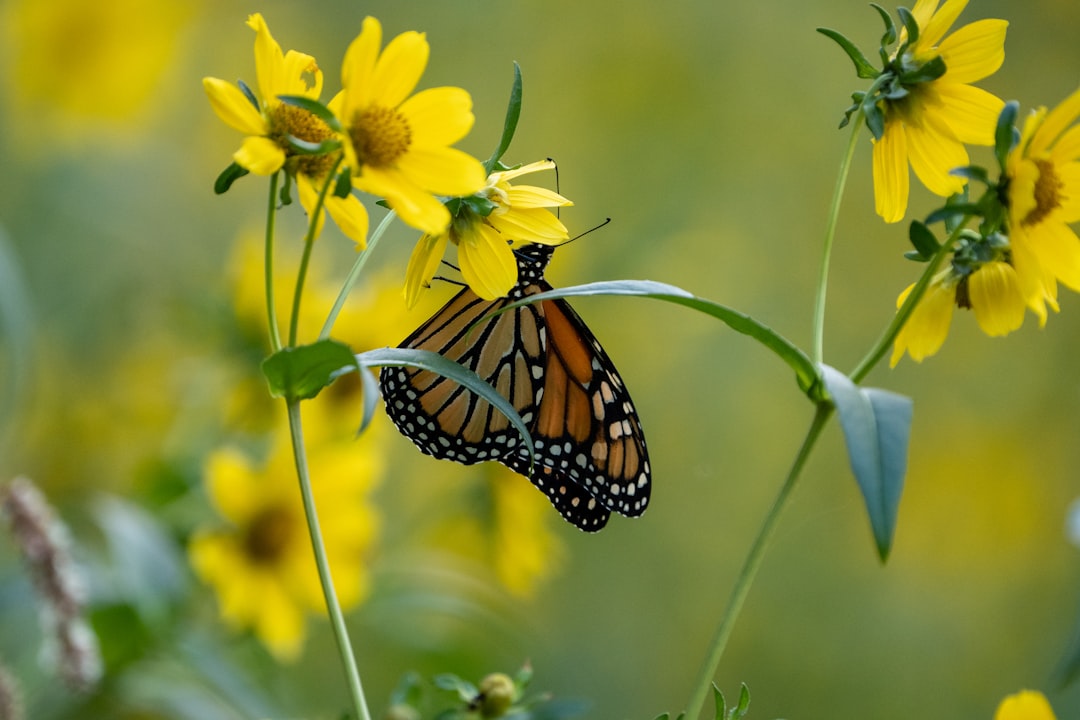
x: 268, y: 124
x: 991, y: 290
x: 1043, y: 197
x: 76, y: 66
x: 520, y: 214
x: 260, y: 562
x: 514, y: 538
x: 1025, y: 705
x: 929, y: 126
x: 399, y: 146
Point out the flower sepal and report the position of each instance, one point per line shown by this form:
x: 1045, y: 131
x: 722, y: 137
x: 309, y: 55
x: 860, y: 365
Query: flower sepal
x: 314, y: 107
x: 228, y: 176
x: 925, y: 243
x: 1006, y: 134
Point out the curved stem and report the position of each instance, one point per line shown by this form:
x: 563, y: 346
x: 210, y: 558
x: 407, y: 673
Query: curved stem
x: 337, y: 620
x: 904, y: 312
x: 268, y: 265
x: 818, y: 351
x: 752, y: 564
x: 309, y: 244
x: 354, y: 275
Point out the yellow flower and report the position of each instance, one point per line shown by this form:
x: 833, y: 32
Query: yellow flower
x: 520, y: 215
x: 399, y: 146
x: 1043, y: 197
x: 929, y: 126
x: 260, y: 564
x: 991, y: 290
x: 269, y: 125
x: 1025, y: 705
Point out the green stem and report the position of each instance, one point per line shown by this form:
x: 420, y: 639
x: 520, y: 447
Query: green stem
x: 337, y: 620
x: 309, y: 244
x: 752, y: 564
x: 818, y: 348
x: 268, y: 264
x: 354, y: 274
x: 904, y: 313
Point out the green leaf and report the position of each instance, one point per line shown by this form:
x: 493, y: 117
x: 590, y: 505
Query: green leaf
x: 910, y: 25
x: 972, y: 173
x: 721, y: 704
x: 409, y: 690
x: 951, y: 214
x: 465, y: 690
x: 370, y: 387
x: 314, y: 107
x: 924, y: 242
x: 743, y: 707
x: 930, y: 70
x: 513, y: 113
x: 877, y: 426
x: 795, y: 358
x: 426, y: 360
x: 890, y: 28
x: 249, y: 94
x: 343, y: 184
x: 863, y: 68
x: 300, y: 373
x: 1006, y: 135
x: 227, y: 177
x: 875, y: 119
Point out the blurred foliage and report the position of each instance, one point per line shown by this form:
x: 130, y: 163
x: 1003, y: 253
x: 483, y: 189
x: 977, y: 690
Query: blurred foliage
x: 131, y: 340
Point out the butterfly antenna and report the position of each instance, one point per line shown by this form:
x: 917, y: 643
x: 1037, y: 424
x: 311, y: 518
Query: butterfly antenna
x: 578, y: 237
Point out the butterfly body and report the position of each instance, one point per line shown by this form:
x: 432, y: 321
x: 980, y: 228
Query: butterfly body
x: 589, y: 451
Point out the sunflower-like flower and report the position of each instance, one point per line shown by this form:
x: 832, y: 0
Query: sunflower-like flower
x: 928, y: 125
x: 518, y: 213
x: 1025, y: 705
x: 1042, y: 189
x: 260, y: 563
x: 398, y: 146
x: 269, y: 124
x: 980, y: 278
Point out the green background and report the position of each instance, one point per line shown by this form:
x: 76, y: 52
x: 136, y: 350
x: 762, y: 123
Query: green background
x: 707, y: 132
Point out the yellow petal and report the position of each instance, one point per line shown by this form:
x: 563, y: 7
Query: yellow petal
x: 232, y: 485
x: 1032, y: 279
x: 1054, y: 125
x: 399, y: 68
x: 1025, y: 705
x: 1058, y: 250
x: 974, y: 51
x: 512, y: 173
x: 233, y: 107
x: 928, y: 325
x: 1069, y: 174
x: 439, y: 116
x: 268, y: 58
x: 1067, y: 149
x: 970, y: 112
x: 891, y: 173
x: 280, y: 623
x: 932, y: 32
x: 309, y: 198
x: 423, y: 264
x: 300, y: 75
x: 933, y: 151
x: 358, y: 67
x: 529, y: 225
x: 529, y: 196
x: 351, y: 217
x: 995, y: 297
x: 487, y: 263
x: 417, y: 208
x: 443, y: 171
x: 260, y: 155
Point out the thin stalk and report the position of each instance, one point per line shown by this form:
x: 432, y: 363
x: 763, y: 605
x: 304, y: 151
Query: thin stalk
x: 309, y: 244
x: 752, y: 564
x: 818, y: 348
x: 874, y: 355
x: 337, y: 620
x: 354, y: 274
x: 268, y: 265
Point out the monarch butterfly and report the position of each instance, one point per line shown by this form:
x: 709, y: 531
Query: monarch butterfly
x: 590, y: 456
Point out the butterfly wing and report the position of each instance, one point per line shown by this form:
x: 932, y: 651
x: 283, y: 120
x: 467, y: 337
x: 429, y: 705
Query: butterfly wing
x: 443, y: 418
x: 587, y: 435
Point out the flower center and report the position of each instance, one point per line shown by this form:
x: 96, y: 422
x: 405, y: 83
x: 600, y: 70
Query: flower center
x: 380, y: 136
x: 289, y: 120
x: 1047, y: 193
x: 270, y: 533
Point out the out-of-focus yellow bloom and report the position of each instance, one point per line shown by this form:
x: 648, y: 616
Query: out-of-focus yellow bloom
x: 269, y: 124
x: 514, y: 538
x: 78, y: 67
x: 521, y: 214
x: 992, y: 291
x: 929, y: 127
x: 259, y: 561
x: 399, y: 146
x: 1025, y: 705
x: 1043, y: 195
